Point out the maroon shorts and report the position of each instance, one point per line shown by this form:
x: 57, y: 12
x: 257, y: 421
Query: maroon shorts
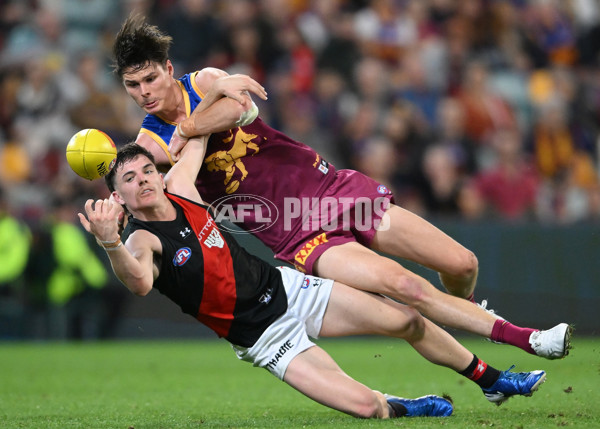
x: 349, y: 210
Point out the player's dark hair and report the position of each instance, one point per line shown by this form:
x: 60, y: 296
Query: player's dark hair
x: 138, y: 44
x: 125, y: 154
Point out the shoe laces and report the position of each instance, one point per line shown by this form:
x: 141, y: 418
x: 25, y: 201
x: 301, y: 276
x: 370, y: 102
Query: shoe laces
x: 515, y: 375
x: 483, y: 306
x: 508, y: 371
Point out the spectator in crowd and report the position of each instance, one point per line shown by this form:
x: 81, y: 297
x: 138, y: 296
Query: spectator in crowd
x: 331, y: 99
x: 98, y: 102
x: 485, y: 111
x: 442, y: 181
x: 416, y: 89
x: 509, y: 188
x: 403, y: 126
x: 38, y: 31
x: 340, y: 51
x: 557, y: 147
x: 449, y: 131
x: 550, y: 29
x: 378, y: 160
x: 85, y: 21
x: 15, y: 162
x: 198, y: 33
x: 383, y: 30
x: 40, y: 116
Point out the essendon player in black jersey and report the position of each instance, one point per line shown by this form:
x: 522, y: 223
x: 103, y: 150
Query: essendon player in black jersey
x: 211, y: 277
x: 266, y: 313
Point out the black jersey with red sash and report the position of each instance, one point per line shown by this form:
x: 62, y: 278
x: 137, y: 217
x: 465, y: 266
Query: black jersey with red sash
x: 211, y: 277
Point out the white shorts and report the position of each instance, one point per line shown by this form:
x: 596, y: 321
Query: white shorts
x: 287, y: 336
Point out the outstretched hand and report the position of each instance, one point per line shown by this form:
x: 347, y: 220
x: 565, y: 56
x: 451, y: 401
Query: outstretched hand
x: 237, y: 87
x: 102, y: 219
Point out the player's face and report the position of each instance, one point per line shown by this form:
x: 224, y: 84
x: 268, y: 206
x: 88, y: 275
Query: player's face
x: 150, y: 86
x: 138, y: 184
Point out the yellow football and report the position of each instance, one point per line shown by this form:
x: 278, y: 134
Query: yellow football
x: 91, y: 153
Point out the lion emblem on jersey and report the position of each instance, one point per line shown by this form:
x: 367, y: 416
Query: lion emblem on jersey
x: 230, y: 161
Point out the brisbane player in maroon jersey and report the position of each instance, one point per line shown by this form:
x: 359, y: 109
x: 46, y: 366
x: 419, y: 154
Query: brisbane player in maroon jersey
x: 333, y: 223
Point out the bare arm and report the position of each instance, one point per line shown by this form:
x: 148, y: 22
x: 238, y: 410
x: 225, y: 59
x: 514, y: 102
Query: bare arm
x: 227, y: 103
x: 181, y: 178
x: 217, y: 83
x: 133, y: 263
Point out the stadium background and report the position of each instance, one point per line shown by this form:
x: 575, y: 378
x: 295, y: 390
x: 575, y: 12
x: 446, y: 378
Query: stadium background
x: 481, y: 115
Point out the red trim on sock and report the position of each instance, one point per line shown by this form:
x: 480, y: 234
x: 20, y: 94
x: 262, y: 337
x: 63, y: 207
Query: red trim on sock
x: 478, y: 371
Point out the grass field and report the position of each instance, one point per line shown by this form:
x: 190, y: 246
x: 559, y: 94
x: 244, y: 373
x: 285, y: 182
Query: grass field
x: 200, y: 384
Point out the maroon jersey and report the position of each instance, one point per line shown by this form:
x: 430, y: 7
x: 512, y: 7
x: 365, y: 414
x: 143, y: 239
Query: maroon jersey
x: 257, y: 160
x: 211, y: 277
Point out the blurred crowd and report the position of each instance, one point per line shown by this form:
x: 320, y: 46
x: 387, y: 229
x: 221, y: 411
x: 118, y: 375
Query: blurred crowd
x: 472, y: 110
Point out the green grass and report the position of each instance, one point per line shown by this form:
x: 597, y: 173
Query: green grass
x: 200, y: 384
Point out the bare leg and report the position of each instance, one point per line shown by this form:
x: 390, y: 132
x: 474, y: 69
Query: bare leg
x: 354, y: 312
x: 315, y: 374
x: 411, y: 237
x: 362, y: 268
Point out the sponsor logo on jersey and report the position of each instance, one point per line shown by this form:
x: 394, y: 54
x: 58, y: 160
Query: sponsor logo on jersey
x: 324, y: 166
x: 210, y: 235
x: 214, y: 239
x: 185, y: 232
x: 309, y: 247
x: 321, y: 164
x: 383, y: 190
x: 266, y: 297
x: 182, y: 256
x: 285, y: 347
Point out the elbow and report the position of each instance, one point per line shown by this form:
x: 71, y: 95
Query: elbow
x: 239, y: 114
x: 138, y: 288
x: 141, y: 292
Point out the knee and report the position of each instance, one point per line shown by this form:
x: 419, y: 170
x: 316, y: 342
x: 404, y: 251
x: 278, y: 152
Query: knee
x: 413, y: 327
x: 410, y: 289
x: 465, y: 265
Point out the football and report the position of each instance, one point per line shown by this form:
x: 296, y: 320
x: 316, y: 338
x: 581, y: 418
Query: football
x: 91, y: 153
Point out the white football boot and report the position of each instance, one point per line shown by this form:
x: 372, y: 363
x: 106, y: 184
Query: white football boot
x: 553, y: 343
